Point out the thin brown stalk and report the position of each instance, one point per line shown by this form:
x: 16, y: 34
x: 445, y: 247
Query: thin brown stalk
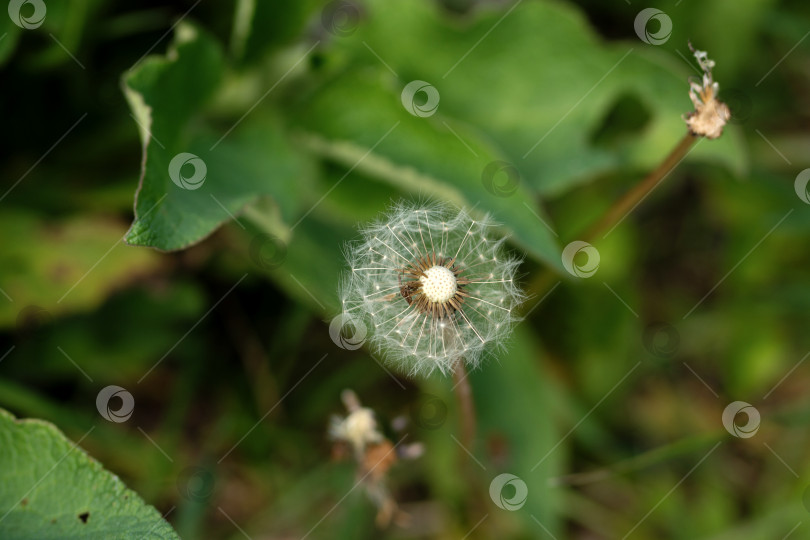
x: 622, y: 207
x: 465, y: 404
x: 632, y: 198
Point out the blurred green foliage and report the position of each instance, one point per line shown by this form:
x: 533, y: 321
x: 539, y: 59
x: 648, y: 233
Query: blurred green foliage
x: 608, y: 403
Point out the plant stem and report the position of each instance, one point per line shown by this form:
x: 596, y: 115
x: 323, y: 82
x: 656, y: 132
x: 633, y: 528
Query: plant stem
x: 641, y: 461
x: 544, y: 280
x: 461, y: 387
x: 632, y: 198
x: 465, y: 404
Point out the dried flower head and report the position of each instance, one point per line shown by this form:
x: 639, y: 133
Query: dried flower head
x: 358, y: 429
x: 710, y: 115
x: 374, y: 454
x: 434, y: 287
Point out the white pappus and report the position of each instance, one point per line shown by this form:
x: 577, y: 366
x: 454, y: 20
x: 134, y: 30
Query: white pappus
x: 433, y: 286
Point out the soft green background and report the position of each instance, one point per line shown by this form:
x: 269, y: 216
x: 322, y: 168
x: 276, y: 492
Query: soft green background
x: 299, y: 121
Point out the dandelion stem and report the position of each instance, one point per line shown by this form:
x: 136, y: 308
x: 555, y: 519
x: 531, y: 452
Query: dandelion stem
x: 632, y: 198
x: 465, y: 404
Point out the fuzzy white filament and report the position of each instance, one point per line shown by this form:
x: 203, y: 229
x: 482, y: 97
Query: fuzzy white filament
x: 433, y: 286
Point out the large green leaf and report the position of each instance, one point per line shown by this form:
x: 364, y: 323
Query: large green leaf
x: 53, y: 490
x: 260, y: 26
x: 309, y: 264
x: 49, y: 267
x: 242, y: 160
x: 358, y: 120
x: 534, y: 78
x: 512, y: 400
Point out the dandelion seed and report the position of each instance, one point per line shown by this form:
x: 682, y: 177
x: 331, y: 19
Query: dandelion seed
x: 710, y: 115
x: 437, y: 284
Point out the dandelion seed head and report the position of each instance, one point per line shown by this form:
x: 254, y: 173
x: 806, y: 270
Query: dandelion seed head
x: 436, y: 285
x: 439, y: 284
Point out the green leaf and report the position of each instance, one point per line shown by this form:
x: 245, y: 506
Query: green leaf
x: 538, y: 81
x: 63, y: 266
x: 54, y: 490
x: 259, y: 26
x: 512, y: 403
x: 358, y: 120
x: 307, y: 262
x: 240, y: 161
